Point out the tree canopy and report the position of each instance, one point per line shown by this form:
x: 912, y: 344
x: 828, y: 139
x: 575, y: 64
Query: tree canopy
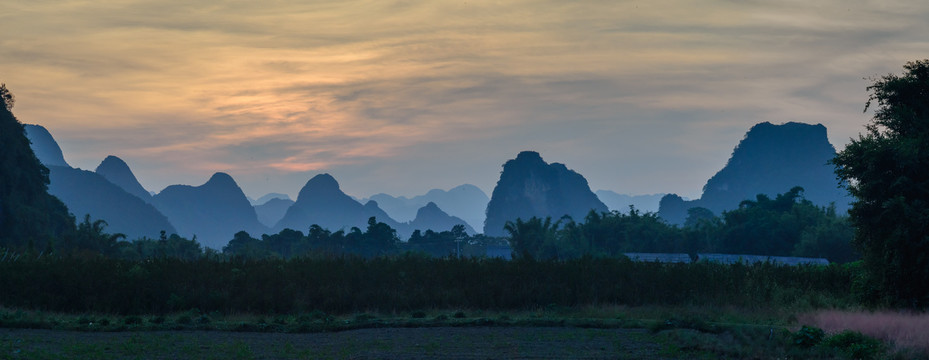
x: 887, y: 170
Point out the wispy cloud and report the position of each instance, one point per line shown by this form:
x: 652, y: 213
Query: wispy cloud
x: 289, y: 86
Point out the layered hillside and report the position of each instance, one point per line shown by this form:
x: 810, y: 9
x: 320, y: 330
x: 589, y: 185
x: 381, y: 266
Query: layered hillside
x: 272, y: 211
x: 86, y: 192
x: 466, y: 201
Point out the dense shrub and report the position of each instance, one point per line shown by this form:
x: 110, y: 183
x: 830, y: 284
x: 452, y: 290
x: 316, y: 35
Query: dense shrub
x: 407, y: 283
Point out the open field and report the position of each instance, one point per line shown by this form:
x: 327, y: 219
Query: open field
x: 391, y: 343
x: 589, y: 333
x: 409, y: 307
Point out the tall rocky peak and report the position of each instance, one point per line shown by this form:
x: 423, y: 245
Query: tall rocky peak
x: 531, y: 187
x: 770, y: 160
x: 213, y: 212
x: 45, y: 146
x: 117, y: 172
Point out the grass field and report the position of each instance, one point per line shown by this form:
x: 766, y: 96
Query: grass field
x: 603, y: 332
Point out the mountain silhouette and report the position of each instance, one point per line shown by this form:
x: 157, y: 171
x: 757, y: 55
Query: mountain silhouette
x: 214, y: 211
x: 770, y: 160
x: 431, y: 217
x: 272, y: 211
x: 466, y: 201
x: 621, y: 202
x: 86, y: 192
x: 44, y: 146
x: 117, y: 171
x: 322, y: 202
x: 29, y: 216
x: 529, y: 186
x: 267, y: 197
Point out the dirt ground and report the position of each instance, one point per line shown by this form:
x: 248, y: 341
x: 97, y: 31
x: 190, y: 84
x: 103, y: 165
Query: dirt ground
x: 386, y: 343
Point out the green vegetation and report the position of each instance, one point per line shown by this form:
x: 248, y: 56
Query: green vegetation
x: 674, y: 332
x: 30, y: 218
x: 406, y: 283
x: 787, y: 225
x: 886, y: 171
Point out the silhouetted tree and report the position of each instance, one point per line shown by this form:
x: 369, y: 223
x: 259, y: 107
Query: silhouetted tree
x: 885, y: 169
x: 7, y: 97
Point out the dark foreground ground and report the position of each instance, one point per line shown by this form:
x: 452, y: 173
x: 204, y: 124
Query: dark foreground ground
x: 386, y: 343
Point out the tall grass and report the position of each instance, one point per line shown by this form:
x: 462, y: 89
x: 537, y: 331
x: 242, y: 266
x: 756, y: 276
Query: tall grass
x: 406, y: 283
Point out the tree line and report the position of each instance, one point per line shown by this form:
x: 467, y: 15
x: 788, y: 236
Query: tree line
x: 787, y: 225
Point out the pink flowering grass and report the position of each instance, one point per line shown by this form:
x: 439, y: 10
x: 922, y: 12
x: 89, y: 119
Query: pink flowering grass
x: 904, y: 330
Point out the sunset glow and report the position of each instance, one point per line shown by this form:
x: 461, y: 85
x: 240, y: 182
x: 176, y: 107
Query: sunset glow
x: 402, y: 97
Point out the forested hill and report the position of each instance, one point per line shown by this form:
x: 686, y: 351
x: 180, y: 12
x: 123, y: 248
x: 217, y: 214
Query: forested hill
x: 531, y: 187
x: 771, y: 159
x: 29, y: 216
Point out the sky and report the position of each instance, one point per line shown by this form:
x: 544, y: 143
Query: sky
x: 401, y: 97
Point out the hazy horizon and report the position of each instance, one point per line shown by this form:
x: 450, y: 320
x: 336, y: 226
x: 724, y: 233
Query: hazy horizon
x: 401, y: 98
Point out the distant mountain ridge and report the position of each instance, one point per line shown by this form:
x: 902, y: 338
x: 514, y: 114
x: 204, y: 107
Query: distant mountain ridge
x: 529, y: 186
x: 268, y: 197
x: 322, y: 202
x: 272, y: 211
x: 621, y: 202
x: 431, y: 217
x: 85, y: 192
x: 770, y: 159
x: 466, y: 201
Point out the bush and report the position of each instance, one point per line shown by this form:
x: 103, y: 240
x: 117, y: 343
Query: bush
x: 855, y: 345
x: 808, y: 336
x: 355, y: 285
